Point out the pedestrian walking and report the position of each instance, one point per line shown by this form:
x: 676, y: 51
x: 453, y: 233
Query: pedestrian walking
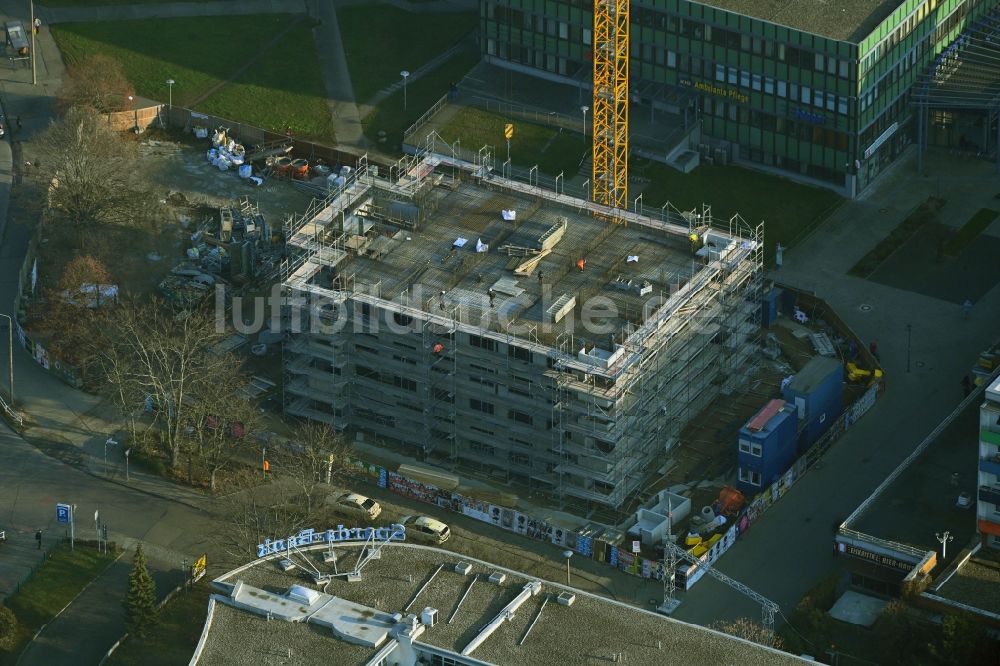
x: 38, y: 538
x: 17, y: 121
x: 966, y: 386
x: 873, y: 348
x: 38, y: 25
x: 967, y: 307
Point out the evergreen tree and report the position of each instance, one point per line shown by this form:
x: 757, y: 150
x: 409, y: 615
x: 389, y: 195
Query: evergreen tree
x: 140, y: 603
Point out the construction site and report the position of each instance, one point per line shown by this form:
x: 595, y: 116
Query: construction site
x: 489, y: 326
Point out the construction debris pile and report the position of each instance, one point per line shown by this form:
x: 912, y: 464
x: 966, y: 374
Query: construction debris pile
x: 236, y: 247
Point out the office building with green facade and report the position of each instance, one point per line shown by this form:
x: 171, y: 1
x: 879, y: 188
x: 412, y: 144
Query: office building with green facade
x: 817, y: 89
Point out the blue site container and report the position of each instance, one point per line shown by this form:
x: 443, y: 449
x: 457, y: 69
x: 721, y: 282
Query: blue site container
x: 766, y: 447
x: 817, y: 393
x: 769, y: 308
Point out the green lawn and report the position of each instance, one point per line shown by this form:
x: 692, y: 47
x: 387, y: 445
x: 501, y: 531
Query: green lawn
x: 380, y: 41
x: 172, y: 641
x: 283, y: 88
x: 53, y: 585
x: 921, y: 215
x: 265, y: 96
x: 553, y: 151
x: 391, y: 118
x: 787, y: 209
x: 970, y: 231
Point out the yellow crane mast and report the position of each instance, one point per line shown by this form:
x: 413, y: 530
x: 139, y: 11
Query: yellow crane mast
x: 609, y: 181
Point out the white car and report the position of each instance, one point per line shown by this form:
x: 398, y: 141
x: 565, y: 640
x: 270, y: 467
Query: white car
x: 358, y: 505
x: 425, y: 528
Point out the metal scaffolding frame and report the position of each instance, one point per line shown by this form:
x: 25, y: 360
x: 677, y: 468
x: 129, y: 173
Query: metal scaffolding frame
x: 610, y: 415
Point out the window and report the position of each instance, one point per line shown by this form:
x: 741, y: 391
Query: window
x: 842, y: 106
x: 750, y: 476
x: 756, y: 82
x: 404, y: 383
x: 520, y: 459
x: 745, y: 79
x: 720, y: 73
x: 483, y: 449
x: 563, y: 30
x: 519, y: 353
x: 782, y: 89
x: 820, y: 59
x: 483, y: 343
x: 672, y: 59
x: 818, y: 98
x: 520, y: 417
x: 805, y: 94
x: 751, y: 447
x: 481, y: 406
x: 733, y: 75
x: 768, y: 85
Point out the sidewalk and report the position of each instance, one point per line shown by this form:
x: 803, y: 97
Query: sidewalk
x: 790, y: 549
x: 95, y: 619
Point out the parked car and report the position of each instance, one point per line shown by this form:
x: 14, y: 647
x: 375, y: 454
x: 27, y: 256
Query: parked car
x: 425, y: 528
x: 358, y: 505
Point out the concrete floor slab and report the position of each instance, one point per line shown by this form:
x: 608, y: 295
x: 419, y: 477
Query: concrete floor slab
x: 855, y: 608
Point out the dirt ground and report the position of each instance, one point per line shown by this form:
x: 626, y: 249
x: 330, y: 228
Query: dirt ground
x: 188, y: 189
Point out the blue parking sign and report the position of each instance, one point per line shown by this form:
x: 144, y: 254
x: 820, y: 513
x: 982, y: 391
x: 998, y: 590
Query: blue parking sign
x: 63, y: 512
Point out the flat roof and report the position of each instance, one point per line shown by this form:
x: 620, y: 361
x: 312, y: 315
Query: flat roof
x: 976, y: 584
x: 843, y: 20
x: 438, y: 263
x: 587, y: 632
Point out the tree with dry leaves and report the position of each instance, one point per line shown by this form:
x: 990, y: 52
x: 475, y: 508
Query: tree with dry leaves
x: 92, y: 171
x: 150, y: 353
x: 68, y: 309
x: 749, y: 630
x: 98, y: 83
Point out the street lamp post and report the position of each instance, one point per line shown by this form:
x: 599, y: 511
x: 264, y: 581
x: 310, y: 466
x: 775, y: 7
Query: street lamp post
x: 405, y: 74
x: 127, y: 451
x: 585, y: 109
x: 10, y: 355
x: 107, y: 442
x: 567, y: 554
x: 943, y: 539
x: 170, y: 94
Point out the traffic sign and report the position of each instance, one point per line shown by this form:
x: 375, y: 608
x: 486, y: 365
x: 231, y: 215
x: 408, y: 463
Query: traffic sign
x: 508, y: 131
x: 636, y: 547
x: 64, y: 513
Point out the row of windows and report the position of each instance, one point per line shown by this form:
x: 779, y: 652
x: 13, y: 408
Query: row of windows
x: 808, y: 129
x: 750, y: 476
x: 897, y: 35
x: 751, y: 447
x: 684, y: 27
x: 769, y: 86
x: 394, y: 380
x: 488, y: 450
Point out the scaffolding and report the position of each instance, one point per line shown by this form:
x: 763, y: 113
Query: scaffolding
x: 611, y: 409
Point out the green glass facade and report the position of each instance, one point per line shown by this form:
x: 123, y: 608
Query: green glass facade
x: 835, y: 110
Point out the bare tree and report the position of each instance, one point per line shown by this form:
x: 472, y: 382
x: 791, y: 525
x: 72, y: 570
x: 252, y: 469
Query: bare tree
x: 97, y: 83
x: 92, y: 171
x: 256, y: 514
x: 315, y: 453
x: 747, y: 629
x: 222, y: 418
x: 164, y: 355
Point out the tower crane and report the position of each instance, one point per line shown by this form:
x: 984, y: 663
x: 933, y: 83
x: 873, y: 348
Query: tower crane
x: 609, y: 174
x: 672, y: 551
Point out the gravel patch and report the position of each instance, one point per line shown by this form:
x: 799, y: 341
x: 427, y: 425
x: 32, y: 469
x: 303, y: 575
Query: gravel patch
x: 589, y: 632
x: 975, y: 584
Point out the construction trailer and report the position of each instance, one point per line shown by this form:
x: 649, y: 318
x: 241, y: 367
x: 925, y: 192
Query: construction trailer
x: 506, y: 331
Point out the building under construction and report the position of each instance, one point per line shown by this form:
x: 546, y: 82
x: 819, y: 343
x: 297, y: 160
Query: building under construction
x: 496, y: 328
